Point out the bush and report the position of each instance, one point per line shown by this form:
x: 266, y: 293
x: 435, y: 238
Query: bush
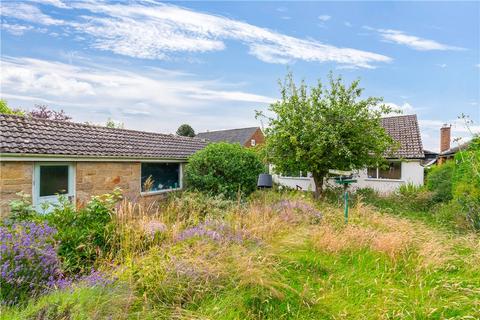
x: 84, y: 234
x: 466, y: 182
x: 223, y: 168
x: 439, y: 181
x: 28, y: 261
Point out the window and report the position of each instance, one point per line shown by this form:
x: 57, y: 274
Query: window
x: 160, y: 176
x: 393, y: 171
x: 253, y: 142
x: 53, y: 180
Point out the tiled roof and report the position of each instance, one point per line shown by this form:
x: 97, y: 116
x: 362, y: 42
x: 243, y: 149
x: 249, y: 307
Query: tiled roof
x: 24, y: 135
x: 405, y: 130
x: 455, y: 149
x: 241, y: 136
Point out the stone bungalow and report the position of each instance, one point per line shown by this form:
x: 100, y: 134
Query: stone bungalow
x: 43, y: 158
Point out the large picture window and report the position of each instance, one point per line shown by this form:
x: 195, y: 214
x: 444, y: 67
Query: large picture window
x: 393, y: 171
x: 160, y: 176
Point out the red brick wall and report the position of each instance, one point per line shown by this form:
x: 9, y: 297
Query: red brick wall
x: 258, y: 137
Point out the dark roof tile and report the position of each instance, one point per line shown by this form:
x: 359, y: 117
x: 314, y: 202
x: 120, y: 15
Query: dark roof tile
x: 405, y: 131
x: 241, y: 136
x: 26, y: 135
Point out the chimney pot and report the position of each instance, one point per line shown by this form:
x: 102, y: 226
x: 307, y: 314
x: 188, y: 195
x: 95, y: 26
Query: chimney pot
x: 445, y: 133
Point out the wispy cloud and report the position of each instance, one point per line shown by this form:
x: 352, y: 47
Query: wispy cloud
x: 16, y: 29
x: 442, y: 65
x: 159, y: 31
x: 347, y: 24
x: 28, y: 12
x: 324, y: 17
x: 87, y: 90
x: 411, y: 41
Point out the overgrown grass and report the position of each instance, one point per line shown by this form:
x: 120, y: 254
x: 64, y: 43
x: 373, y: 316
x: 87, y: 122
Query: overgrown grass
x: 274, y: 256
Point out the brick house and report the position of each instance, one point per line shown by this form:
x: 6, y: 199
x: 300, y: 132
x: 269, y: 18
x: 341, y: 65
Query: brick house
x: 43, y: 158
x: 247, y: 137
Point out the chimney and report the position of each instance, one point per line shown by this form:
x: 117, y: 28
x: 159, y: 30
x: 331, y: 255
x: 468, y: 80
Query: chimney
x: 445, y: 137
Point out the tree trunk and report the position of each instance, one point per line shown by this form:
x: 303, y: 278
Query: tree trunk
x: 318, y: 179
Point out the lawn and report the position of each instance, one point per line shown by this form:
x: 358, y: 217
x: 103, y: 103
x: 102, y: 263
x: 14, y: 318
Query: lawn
x: 275, y: 256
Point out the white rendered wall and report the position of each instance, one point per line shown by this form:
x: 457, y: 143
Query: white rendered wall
x: 412, y: 173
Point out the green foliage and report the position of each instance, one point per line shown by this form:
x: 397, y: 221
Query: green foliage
x: 78, y: 304
x: 5, y: 109
x: 84, y: 234
x: 22, y: 210
x: 186, y: 130
x: 223, y: 168
x: 466, y: 182
x: 316, y: 129
x: 439, y: 181
x: 113, y: 124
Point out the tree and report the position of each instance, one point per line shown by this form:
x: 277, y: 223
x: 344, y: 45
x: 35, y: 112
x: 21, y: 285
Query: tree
x: 5, y: 109
x: 43, y: 112
x: 316, y: 129
x: 113, y: 124
x: 224, y: 168
x: 185, y: 130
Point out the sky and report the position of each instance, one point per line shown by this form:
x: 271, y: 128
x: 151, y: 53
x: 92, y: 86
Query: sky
x: 155, y: 65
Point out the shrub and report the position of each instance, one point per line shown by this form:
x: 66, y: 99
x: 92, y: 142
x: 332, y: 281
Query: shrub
x: 439, y: 181
x: 28, y: 261
x: 223, y: 168
x: 84, y: 234
x: 22, y: 210
x: 466, y: 182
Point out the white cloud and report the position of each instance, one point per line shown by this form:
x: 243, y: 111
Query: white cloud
x: 414, y: 42
x: 405, y: 108
x: 324, y: 17
x: 430, y: 130
x: 477, y: 65
x: 15, y: 29
x: 442, y: 65
x: 87, y: 91
x: 158, y: 31
x: 27, y: 12
x: 347, y: 24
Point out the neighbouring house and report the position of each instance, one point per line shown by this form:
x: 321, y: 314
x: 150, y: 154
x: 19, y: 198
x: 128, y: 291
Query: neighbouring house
x: 404, y: 165
x: 446, y: 151
x: 247, y: 137
x: 44, y: 158
x: 430, y: 158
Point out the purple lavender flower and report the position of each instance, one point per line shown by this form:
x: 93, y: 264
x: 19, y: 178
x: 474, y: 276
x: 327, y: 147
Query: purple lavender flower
x: 287, y: 207
x: 213, y: 230
x: 29, y: 264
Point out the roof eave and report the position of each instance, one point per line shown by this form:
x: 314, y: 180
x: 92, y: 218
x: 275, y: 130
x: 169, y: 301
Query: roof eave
x: 67, y: 157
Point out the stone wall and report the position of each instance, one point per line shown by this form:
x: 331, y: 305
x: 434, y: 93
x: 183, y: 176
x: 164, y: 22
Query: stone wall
x: 91, y: 178
x: 95, y: 178
x: 14, y: 177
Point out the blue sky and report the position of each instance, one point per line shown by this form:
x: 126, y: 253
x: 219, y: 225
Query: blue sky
x: 157, y: 65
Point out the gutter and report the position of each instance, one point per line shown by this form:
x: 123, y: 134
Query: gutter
x: 78, y: 158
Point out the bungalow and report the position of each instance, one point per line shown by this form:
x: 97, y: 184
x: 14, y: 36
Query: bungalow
x: 404, y: 166
x: 43, y: 158
x: 247, y: 137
